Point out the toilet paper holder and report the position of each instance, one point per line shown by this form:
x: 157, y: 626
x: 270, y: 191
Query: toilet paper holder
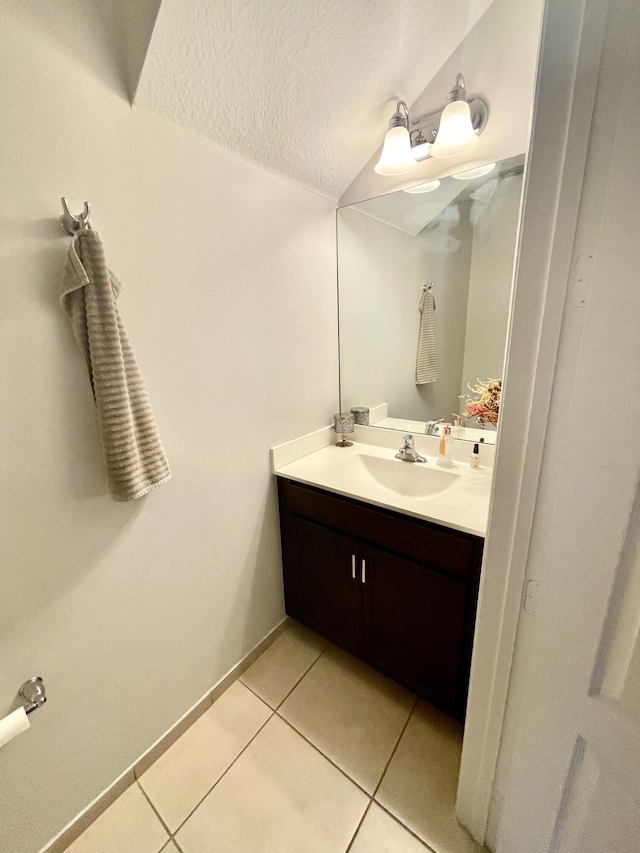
x: 33, y: 694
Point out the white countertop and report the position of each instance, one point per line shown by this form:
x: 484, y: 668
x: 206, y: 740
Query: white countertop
x: 463, y: 505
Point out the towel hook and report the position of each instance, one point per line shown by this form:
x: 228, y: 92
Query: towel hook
x: 70, y: 223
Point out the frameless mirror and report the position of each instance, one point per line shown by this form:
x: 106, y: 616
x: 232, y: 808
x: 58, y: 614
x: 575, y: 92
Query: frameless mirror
x: 425, y: 278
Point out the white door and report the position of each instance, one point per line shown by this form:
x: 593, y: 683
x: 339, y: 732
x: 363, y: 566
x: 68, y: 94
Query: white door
x: 569, y: 768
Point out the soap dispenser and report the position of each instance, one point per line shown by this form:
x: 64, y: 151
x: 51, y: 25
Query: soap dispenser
x: 457, y: 431
x: 445, y: 450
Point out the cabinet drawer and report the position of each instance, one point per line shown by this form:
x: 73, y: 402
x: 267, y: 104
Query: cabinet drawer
x: 419, y: 540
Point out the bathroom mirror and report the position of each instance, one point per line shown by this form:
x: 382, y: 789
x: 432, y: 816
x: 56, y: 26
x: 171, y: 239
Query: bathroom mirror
x: 425, y: 281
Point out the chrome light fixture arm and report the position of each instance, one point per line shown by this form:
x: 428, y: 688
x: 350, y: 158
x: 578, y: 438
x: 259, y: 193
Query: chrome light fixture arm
x: 401, y: 116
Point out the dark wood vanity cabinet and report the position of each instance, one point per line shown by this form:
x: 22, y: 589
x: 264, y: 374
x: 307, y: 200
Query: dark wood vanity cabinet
x: 397, y: 592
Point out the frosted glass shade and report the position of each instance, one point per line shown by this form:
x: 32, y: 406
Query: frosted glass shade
x: 478, y: 172
x: 429, y: 187
x: 396, y: 157
x: 455, y: 134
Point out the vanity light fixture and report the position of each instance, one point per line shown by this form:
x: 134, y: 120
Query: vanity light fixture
x: 456, y: 133
x: 396, y: 157
x: 478, y: 172
x: 452, y: 131
x: 429, y: 187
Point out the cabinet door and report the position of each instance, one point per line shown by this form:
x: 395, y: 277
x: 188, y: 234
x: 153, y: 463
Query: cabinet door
x: 328, y: 569
x: 414, y: 626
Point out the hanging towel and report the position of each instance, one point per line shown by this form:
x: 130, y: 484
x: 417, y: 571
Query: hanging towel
x: 426, y: 362
x: 134, y: 456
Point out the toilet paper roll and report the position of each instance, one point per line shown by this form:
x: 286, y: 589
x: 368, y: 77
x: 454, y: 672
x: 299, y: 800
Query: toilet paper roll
x: 12, y: 725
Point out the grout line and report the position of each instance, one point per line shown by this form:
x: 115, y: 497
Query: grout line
x: 303, y: 676
x: 360, y: 822
x: 156, y: 812
x: 264, y: 701
x: 326, y: 757
x: 224, y: 774
x: 305, y: 673
x: 174, y: 840
x: 395, y: 748
x: 404, y: 826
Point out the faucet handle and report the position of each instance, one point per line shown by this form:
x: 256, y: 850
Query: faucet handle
x: 408, y: 442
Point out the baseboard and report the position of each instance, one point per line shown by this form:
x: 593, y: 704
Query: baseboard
x: 102, y: 802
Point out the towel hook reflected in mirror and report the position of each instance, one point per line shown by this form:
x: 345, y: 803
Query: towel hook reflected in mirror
x: 70, y: 223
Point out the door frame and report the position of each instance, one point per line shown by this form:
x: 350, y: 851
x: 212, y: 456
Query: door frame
x: 566, y: 84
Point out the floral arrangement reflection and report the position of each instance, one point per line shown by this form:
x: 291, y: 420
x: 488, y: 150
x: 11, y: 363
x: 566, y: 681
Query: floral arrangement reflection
x: 485, y: 407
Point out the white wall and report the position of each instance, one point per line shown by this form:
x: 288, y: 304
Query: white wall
x: 381, y: 272
x: 495, y: 211
x: 498, y: 58
x: 131, y: 611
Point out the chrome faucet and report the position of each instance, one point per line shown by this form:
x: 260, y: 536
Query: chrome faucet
x: 408, y: 452
x: 432, y: 427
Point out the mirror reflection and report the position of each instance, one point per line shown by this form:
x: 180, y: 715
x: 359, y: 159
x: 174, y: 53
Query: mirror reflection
x: 425, y: 277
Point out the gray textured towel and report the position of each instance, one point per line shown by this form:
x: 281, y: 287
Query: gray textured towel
x: 426, y: 362
x: 135, y: 458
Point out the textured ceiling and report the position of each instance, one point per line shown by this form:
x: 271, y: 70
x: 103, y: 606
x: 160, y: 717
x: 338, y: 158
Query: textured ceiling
x: 303, y: 87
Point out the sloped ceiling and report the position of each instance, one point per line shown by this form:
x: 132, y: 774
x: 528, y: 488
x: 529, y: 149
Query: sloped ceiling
x: 108, y: 37
x: 410, y: 212
x: 413, y: 212
x: 303, y: 87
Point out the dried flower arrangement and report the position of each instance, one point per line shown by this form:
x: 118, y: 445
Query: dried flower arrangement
x: 487, y: 406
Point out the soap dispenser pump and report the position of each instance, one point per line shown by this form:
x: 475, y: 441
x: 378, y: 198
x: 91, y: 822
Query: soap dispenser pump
x: 445, y: 450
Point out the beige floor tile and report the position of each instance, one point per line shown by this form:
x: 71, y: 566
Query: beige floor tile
x: 127, y: 825
x: 280, y: 796
x: 351, y: 713
x: 420, y: 785
x: 282, y: 665
x: 380, y: 833
x: 188, y: 770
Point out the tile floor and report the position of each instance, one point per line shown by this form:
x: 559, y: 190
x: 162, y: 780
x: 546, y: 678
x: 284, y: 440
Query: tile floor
x: 310, y: 751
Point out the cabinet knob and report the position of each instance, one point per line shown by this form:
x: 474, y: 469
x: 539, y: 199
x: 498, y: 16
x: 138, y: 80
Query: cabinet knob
x: 364, y: 571
x: 353, y: 566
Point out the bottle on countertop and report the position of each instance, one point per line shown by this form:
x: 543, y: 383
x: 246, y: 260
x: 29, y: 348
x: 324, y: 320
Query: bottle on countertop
x: 475, y: 456
x: 445, y: 449
x: 457, y: 430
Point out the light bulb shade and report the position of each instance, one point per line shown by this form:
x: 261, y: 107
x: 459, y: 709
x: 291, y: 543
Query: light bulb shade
x: 478, y: 172
x: 455, y: 134
x: 429, y: 187
x: 396, y: 157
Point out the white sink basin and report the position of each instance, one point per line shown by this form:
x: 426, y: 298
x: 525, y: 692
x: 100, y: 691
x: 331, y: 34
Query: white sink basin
x: 410, y: 479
